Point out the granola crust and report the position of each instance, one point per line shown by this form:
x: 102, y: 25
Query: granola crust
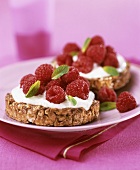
x: 114, y: 82
x: 39, y: 115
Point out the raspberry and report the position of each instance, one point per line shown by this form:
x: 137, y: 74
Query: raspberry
x: 27, y: 84
x: 110, y: 49
x: 55, y: 94
x: 97, y: 40
x: 125, y: 102
x: 41, y: 89
x: 82, y: 78
x: 25, y: 79
x: 106, y: 95
x: 96, y: 53
x: 28, y: 81
x: 70, y: 76
x: 78, y: 88
x: 57, y: 82
x: 111, y: 60
x: 64, y: 59
x: 70, y: 47
x: 43, y: 73
x: 83, y: 64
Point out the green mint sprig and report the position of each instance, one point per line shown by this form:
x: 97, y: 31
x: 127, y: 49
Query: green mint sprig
x: 105, y: 106
x: 72, y: 100
x: 86, y: 44
x: 73, y: 53
x: 60, y: 71
x: 111, y: 70
x: 33, y: 89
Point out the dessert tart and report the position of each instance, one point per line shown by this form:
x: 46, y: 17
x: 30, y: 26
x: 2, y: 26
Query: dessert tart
x: 95, y: 62
x: 52, y: 97
x: 115, y: 82
x: 47, y: 116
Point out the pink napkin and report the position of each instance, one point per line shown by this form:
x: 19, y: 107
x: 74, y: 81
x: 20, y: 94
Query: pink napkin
x: 70, y: 145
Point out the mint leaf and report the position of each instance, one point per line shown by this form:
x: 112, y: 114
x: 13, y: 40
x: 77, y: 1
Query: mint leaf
x: 111, y: 70
x: 105, y: 106
x: 72, y: 100
x: 73, y: 53
x: 60, y: 71
x: 86, y: 44
x: 33, y: 89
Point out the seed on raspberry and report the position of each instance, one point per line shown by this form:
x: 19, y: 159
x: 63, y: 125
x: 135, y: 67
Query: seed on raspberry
x: 78, y: 88
x: 55, y: 94
x: 71, y: 75
x: 96, y: 53
x: 83, y: 64
x: 25, y: 79
x: 97, y: 40
x: 125, y: 102
x: 64, y: 59
x: 71, y: 47
x: 44, y: 73
x: 106, y: 94
x: 111, y: 60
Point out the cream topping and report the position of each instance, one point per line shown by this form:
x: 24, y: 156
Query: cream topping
x: 19, y: 96
x: 98, y: 71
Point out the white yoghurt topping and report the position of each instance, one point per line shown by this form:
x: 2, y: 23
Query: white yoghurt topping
x: 19, y: 96
x: 98, y: 71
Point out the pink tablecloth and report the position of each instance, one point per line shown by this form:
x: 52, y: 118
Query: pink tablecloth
x: 121, y: 152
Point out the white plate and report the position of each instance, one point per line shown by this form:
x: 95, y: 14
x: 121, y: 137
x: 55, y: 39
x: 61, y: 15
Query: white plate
x: 10, y: 77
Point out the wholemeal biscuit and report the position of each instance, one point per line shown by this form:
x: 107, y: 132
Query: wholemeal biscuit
x: 39, y: 115
x: 114, y: 82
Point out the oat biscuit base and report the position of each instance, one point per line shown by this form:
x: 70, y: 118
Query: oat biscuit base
x: 114, y: 82
x: 39, y: 115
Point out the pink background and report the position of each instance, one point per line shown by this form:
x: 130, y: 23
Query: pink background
x: 75, y: 20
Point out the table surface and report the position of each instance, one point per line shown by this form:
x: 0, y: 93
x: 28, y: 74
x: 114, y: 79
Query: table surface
x: 121, y: 152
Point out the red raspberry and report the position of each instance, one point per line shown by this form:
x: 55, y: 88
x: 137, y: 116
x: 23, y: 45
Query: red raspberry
x: 125, y: 102
x: 96, y: 53
x: 55, y: 94
x: 44, y: 73
x: 106, y: 95
x: 70, y: 47
x: 64, y: 59
x: 78, y: 88
x: 25, y: 79
x: 28, y: 82
x: 57, y: 82
x: 70, y: 76
x: 41, y: 89
x: 97, y: 40
x: 111, y: 60
x: 83, y: 64
x: 110, y: 49
x: 82, y: 78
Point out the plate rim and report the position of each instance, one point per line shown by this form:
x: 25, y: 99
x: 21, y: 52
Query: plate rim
x: 59, y: 129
